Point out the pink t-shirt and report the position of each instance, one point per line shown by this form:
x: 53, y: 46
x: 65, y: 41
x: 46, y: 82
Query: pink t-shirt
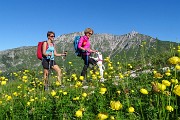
x: 85, y: 43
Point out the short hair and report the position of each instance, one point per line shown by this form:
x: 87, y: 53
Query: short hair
x: 88, y: 30
x: 50, y: 32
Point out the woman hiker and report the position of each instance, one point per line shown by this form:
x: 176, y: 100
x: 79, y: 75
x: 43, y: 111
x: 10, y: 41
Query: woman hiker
x: 84, y: 45
x: 48, y: 61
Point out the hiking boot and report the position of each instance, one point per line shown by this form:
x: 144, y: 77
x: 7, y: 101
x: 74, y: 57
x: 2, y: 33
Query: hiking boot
x: 46, y: 88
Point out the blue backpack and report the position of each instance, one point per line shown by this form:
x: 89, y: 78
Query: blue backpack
x: 76, y: 42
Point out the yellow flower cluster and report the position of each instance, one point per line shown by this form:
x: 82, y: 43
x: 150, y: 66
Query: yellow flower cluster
x: 74, y: 77
x: 107, y: 59
x: 3, y: 80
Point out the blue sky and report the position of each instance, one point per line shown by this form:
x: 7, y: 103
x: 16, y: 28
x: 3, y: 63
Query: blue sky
x: 25, y: 22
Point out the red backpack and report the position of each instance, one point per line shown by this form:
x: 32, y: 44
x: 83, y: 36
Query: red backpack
x: 40, y: 50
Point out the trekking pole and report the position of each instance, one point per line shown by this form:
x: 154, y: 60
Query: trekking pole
x: 49, y: 72
x: 63, y: 58
x: 87, y: 64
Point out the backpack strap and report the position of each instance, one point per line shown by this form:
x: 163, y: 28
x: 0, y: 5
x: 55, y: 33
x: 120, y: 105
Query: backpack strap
x: 46, y: 48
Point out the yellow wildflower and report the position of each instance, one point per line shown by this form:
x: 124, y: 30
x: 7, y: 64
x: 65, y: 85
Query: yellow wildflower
x: 177, y: 67
x: 3, y: 82
x: 111, y: 68
x: 26, y: 71
x: 15, y: 94
x: 73, y: 75
x: 44, y: 98
x: 177, y: 90
x: 132, y: 91
x: 102, y: 90
x: 158, y: 75
x: 94, y: 77
x: 120, y: 75
x: 115, y: 105
x: 109, y: 65
x: 64, y: 93
x: 179, y: 47
x: 24, y: 77
x: 79, y: 113
x: 84, y: 94
x: 112, y: 118
x: 166, y: 82
x: 3, y: 78
x: 8, y: 98
x: 168, y: 73
x: 131, y: 110
x: 119, y: 92
x: 174, y: 81
x: 105, y: 73
x: 32, y: 100
x: 154, y: 72
x: 169, y: 108
x: 58, y: 83
x: 161, y: 87
x: 144, y: 91
x: 81, y: 78
x: 102, y: 116
x: 91, y: 72
x: 76, y: 98
x: 174, y: 60
x: 97, y: 73
x: 28, y: 103
x: 78, y: 84
x: 53, y: 93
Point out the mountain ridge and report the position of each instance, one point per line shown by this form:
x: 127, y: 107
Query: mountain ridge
x: 110, y: 45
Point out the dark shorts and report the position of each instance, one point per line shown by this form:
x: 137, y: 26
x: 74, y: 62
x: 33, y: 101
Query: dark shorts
x: 47, y: 64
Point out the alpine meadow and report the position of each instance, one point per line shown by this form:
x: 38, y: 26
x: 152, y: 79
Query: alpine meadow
x: 141, y: 81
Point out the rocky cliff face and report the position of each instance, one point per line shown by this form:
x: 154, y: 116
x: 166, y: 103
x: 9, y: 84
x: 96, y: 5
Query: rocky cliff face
x: 106, y: 42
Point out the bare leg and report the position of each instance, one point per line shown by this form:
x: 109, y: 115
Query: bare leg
x: 46, y: 72
x: 59, y: 74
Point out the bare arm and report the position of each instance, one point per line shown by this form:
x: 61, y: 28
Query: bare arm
x: 58, y: 54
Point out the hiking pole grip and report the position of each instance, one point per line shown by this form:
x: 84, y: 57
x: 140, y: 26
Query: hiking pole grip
x: 65, y: 53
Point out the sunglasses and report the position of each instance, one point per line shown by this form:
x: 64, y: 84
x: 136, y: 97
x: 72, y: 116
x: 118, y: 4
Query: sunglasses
x: 51, y: 36
x: 90, y: 33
